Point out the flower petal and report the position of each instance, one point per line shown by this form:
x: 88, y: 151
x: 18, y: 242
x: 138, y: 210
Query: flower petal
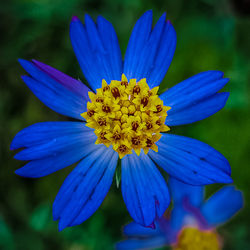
x: 52, y: 146
x: 195, y: 98
x: 191, y: 161
x: 97, y: 50
x: 44, y: 132
x: 85, y: 188
x: 148, y: 243
x: 198, y: 111
x: 144, y: 189
x: 54, y: 89
x: 70, y: 83
x: 222, y: 205
x: 179, y: 191
x: 136, y: 230
x: 150, y: 52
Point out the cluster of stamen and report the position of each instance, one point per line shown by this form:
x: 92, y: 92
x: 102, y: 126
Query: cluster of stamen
x: 127, y: 115
x: 196, y: 239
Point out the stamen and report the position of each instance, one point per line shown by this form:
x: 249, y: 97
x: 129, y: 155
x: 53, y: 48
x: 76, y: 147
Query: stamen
x: 144, y: 101
x: 126, y: 118
x: 136, y: 90
x: 106, y: 109
x: 135, y: 126
x: 115, y: 92
x: 90, y: 113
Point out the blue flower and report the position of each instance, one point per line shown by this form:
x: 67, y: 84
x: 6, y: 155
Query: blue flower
x: 120, y: 115
x: 192, y: 220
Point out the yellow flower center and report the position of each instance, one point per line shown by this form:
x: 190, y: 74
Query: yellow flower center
x: 127, y: 115
x: 195, y: 239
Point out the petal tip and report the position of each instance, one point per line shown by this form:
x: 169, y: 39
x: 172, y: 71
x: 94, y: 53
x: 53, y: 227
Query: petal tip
x: 75, y: 19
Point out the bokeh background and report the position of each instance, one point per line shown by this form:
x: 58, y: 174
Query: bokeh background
x: 211, y: 34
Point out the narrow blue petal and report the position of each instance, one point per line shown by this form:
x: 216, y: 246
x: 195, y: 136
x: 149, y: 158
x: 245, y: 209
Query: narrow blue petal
x: 138, y: 38
x: 85, y: 188
x: 97, y: 50
x: 56, y: 146
x: 179, y: 191
x: 144, y: 189
x: 191, y: 161
x: 70, y: 83
x: 45, y: 132
x: 150, y: 52
x: 53, y: 93
x: 136, y: 230
x: 52, y: 152
x: 164, y: 56
x: 221, y: 206
x: 177, y: 220
x: 198, y: 111
x: 111, y: 46
x: 134, y: 244
x: 195, y: 98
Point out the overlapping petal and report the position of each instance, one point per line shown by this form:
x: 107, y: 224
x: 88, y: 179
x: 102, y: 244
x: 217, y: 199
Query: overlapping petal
x: 56, y: 90
x: 51, y: 146
x: 144, y: 189
x: 191, y: 161
x: 195, y: 98
x: 85, y: 188
x: 97, y: 50
x: 179, y: 191
x: 134, y: 229
x: 150, y: 52
x: 136, y: 244
x: 222, y: 205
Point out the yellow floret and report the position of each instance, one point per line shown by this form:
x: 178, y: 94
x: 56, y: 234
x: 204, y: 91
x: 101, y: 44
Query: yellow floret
x: 127, y: 115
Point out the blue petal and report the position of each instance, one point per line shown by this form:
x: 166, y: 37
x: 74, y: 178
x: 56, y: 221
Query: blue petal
x: 179, y: 191
x: 191, y: 161
x: 133, y: 229
x: 70, y: 83
x: 97, y: 50
x: 198, y: 111
x: 54, y: 89
x: 144, y: 189
x: 150, y: 52
x: 177, y: 220
x: 221, y: 206
x: 149, y: 243
x: 195, y: 98
x: 44, y: 132
x: 51, y: 152
x: 85, y: 188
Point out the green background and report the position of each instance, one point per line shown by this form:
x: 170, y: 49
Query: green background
x: 210, y: 35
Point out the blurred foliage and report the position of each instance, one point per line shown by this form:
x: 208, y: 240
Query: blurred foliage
x: 211, y: 35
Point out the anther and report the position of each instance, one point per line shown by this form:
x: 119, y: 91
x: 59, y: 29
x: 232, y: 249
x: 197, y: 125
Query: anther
x: 117, y: 136
x: 105, y: 88
x: 158, y: 122
x: 115, y: 92
x: 122, y: 148
x: 90, y: 113
x: 99, y: 99
x: 135, y: 126
x: 149, y: 143
x: 136, y: 89
x: 106, y: 109
x: 136, y: 141
x: 102, y: 135
x: 144, y: 101
x: 149, y: 125
x: 102, y: 121
x: 159, y: 109
x: 125, y: 83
